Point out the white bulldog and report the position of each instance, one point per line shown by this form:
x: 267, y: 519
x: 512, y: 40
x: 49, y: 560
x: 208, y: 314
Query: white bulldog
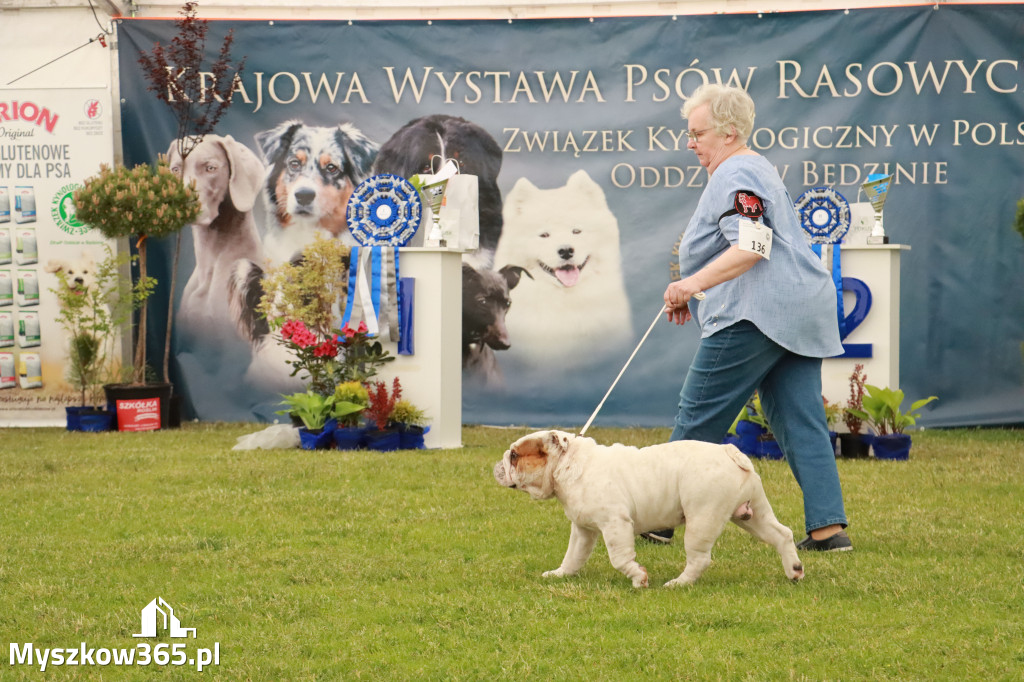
x: 620, y: 491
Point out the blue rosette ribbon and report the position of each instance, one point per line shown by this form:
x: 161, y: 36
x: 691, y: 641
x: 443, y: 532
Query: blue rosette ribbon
x: 825, y: 216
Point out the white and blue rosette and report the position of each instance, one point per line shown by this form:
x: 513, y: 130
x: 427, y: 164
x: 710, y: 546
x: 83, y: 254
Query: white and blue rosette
x: 825, y: 216
x: 383, y: 214
x: 384, y: 210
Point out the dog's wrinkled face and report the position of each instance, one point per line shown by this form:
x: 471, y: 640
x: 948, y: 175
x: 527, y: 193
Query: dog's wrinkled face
x: 529, y: 462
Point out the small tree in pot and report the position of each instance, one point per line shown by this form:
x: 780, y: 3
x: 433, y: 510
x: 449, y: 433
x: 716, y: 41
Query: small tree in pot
x: 141, y: 202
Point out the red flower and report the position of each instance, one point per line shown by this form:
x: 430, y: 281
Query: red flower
x: 327, y: 349
x: 290, y: 327
x: 303, y: 338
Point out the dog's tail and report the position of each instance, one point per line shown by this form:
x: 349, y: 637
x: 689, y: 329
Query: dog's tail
x: 245, y: 290
x: 741, y: 460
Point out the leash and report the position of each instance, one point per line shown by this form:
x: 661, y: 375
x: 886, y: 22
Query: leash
x: 699, y: 296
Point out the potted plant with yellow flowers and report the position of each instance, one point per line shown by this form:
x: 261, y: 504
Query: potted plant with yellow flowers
x: 411, y: 423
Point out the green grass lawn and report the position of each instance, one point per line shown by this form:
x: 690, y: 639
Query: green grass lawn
x: 418, y: 566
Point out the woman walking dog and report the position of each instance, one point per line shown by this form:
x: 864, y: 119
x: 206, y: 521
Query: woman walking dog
x: 769, y: 316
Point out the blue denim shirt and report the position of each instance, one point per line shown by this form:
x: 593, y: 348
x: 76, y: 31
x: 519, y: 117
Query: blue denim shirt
x: 791, y: 297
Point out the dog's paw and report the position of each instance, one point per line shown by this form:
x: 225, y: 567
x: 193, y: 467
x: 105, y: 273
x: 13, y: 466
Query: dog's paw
x: 557, y: 573
x: 641, y: 580
x: 678, y: 582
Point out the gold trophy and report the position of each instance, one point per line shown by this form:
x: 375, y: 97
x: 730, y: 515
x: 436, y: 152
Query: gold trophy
x: 877, y: 189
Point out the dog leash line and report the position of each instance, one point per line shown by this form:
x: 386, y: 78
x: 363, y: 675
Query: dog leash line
x: 699, y: 296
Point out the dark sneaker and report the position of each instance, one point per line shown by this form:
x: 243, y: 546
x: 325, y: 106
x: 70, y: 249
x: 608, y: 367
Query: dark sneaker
x: 840, y: 542
x: 662, y: 537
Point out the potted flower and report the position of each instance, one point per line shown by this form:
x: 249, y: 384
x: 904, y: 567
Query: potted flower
x: 411, y: 422
x: 881, y: 409
x: 145, y: 202
x: 855, y: 444
x: 315, y: 357
x: 91, y: 314
x: 299, y: 303
x: 382, y: 405
x: 316, y: 413
x: 754, y: 432
x: 350, y: 400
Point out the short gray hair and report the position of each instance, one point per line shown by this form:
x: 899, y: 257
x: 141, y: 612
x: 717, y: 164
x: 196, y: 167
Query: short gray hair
x: 730, y: 108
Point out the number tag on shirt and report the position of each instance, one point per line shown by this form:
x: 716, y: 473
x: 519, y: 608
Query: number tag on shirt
x: 756, y: 238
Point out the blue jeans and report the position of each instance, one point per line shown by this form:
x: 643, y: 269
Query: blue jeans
x: 728, y: 367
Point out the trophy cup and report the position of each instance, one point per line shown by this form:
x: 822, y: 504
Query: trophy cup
x: 432, y: 190
x: 433, y: 194
x: 876, y: 187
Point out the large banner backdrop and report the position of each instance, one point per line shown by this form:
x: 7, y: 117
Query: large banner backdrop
x: 573, y: 128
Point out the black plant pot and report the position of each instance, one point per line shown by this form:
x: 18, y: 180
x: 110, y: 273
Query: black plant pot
x: 174, y: 411
x: 131, y: 397
x: 854, y: 445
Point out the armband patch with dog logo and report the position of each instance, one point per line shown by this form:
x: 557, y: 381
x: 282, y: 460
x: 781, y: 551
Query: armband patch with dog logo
x: 748, y: 204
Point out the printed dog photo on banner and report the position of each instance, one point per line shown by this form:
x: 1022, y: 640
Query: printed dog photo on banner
x: 228, y: 176
x: 571, y: 308
x: 79, y: 273
x: 307, y: 174
x: 418, y: 147
x: 311, y: 172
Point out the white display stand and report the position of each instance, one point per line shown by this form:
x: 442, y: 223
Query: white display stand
x: 878, y: 266
x: 432, y: 376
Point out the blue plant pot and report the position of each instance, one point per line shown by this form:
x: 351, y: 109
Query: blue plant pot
x: 349, y: 437
x: 316, y: 440
x: 74, y: 416
x: 769, y: 449
x: 833, y: 438
x: 411, y: 437
x: 96, y: 421
x: 383, y: 441
x: 749, y: 433
x: 894, y: 447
